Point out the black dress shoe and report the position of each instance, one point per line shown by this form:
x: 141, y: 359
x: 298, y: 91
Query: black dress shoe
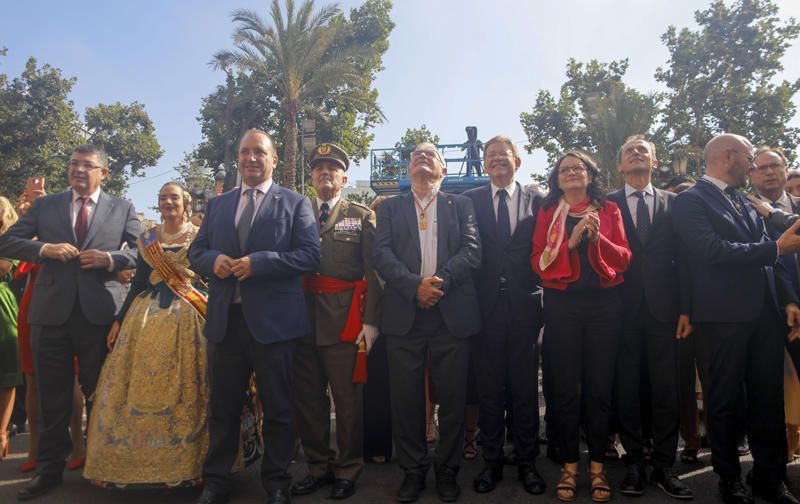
x: 487, y: 479
x: 343, y: 489
x: 310, y: 484
x: 670, y: 484
x: 531, y: 479
x: 635, y: 480
x: 41, y: 484
x: 743, y: 447
x: 734, y: 492
x: 279, y: 496
x: 413, y: 484
x: 210, y: 497
x: 446, y: 486
x: 775, y: 493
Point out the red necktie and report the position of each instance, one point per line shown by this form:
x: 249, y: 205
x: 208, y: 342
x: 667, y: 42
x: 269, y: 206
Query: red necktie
x: 82, y: 221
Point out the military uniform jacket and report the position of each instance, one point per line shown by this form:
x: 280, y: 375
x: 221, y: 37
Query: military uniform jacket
x: 346, y: 243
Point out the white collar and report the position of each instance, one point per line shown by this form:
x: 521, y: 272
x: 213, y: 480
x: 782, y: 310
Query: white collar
x: 510, y: 188
x: 783, y: 201
x: 429, y: 197
x: 94, y: 196
x: 717, y: 182
x: 263, y: 187
x: 331, y: 202
x: 629, y: 190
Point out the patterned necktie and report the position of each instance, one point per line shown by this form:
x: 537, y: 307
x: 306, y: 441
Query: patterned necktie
x: 246, y: 219
x: 324, y: 213
x: 503, y: 220
x: 642, y: 217
x: 82, y: 221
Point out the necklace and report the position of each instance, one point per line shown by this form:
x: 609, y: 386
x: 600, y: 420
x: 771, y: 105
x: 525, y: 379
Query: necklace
x: 423, y: 223
x: 173, y: 237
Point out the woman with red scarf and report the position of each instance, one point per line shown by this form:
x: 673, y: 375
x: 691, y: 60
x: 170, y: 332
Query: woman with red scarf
x: 580, y: 252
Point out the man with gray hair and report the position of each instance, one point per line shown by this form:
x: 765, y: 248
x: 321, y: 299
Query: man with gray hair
x: 741, y: 298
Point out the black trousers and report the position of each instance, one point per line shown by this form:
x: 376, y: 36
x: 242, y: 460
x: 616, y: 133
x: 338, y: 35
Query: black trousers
x: 508, y: 374
x: 54, y: 349
x: 230, y: 363
x: 647, y: 377
x: 750, y: 354
x: 377, y: 404
x: 408, y: 357
x: 581, y: 338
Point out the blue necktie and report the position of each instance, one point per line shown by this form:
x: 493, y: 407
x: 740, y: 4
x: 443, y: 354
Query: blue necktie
x: 503, y: 220
x: 246, y: 219
x: 642, y: 217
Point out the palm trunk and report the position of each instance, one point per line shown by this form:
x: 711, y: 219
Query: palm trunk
x: 290, y: 148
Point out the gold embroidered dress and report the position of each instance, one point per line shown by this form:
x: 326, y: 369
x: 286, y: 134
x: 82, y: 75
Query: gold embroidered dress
x: 148, y: 425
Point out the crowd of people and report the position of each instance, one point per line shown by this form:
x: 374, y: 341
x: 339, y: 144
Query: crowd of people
x: 208, y: 341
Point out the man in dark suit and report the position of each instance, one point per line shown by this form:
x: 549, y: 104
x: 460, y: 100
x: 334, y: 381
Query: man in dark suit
x: 506, y: 360
x: 426, y: 249
x: 255, y: 244
x: 738, y: 285
x: 327, y: 357
x: 79, y: 234
x: 655, y: 319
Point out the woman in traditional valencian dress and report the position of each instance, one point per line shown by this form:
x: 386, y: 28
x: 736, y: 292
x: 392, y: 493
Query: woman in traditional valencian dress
x: 148, y: 426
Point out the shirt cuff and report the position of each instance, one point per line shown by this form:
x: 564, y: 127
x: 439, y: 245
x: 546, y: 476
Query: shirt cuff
x: 777, y: 252
x: 41, y: 250
x: 110, y: 262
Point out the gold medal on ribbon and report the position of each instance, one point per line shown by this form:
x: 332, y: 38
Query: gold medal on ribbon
x: 423, y: 224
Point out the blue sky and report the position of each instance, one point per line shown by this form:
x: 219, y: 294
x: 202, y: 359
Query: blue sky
x: 451, y: 63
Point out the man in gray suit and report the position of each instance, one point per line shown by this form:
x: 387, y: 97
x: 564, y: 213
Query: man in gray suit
x: 76, y: 296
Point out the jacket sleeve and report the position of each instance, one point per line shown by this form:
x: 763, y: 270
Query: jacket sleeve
x: 201, y: 256
x: 304, y: 255
x: 18, y: 243
x: 611, y: 255
x: 391, y: 269
x: 126, y: 259
x: 373, y: 299
x: 461, y: 265
x: 139, y: 283
x: 701, y: 242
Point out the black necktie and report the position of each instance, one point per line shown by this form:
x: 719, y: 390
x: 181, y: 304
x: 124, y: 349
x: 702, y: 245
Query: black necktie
x: 324, y: 213
x: 503, y: 220
x: 642, y: 217
x: 246, y: 219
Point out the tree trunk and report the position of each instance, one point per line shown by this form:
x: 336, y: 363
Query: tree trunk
x: 290, y: 148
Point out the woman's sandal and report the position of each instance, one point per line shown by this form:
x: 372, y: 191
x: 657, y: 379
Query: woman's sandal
x: 470, y: 451
x: 566, y: 489
x: 601, y: 490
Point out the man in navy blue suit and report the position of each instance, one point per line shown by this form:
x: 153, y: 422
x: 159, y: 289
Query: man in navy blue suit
x: 741, y: 302
x: 506, y: 359
x: 255, y: 244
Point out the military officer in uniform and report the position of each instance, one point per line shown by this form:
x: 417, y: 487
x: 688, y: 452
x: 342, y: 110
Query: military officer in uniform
x: 343, y: 300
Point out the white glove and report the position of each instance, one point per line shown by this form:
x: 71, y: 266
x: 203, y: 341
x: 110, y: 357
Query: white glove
x: 368, y: 334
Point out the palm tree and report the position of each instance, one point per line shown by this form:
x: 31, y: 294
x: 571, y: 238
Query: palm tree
x: 297, y: 50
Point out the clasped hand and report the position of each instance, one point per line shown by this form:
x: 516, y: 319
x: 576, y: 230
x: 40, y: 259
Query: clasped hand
x: 225, y: 266
x: 428, y: 292
x: 65, y: 252
x: 589, y: 225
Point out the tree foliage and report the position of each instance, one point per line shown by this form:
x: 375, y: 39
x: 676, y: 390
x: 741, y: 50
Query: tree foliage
x: 39, y: 127
x: 595, y: 111
x: 320, y: 64
x: 722, y: 77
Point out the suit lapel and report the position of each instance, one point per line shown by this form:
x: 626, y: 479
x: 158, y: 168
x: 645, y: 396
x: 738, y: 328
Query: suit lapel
x: 487, y: 208
x: 65, y: 216
x: 99, y: 215
x: 444, y: 205
x: 621, y: 200
x: 524, y: 210
x: 410, y: 211
x: 725, y: 204
x: 229, y: 203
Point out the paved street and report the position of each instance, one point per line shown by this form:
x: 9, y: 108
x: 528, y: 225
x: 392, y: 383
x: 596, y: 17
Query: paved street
x: 377, y: 484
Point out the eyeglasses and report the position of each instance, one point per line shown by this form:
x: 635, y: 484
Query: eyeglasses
x: 430, y: 154
x: 569, y: 169
x: 74, y: 164
x: 771, y: 166
x: 750, y: 157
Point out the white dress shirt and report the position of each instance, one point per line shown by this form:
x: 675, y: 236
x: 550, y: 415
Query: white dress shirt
x: 512, y: 201
x: 261, y: 191
x: 633, y: 200
x: 783, y: 203
x: 428, y: 237
x: 331, y: 203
